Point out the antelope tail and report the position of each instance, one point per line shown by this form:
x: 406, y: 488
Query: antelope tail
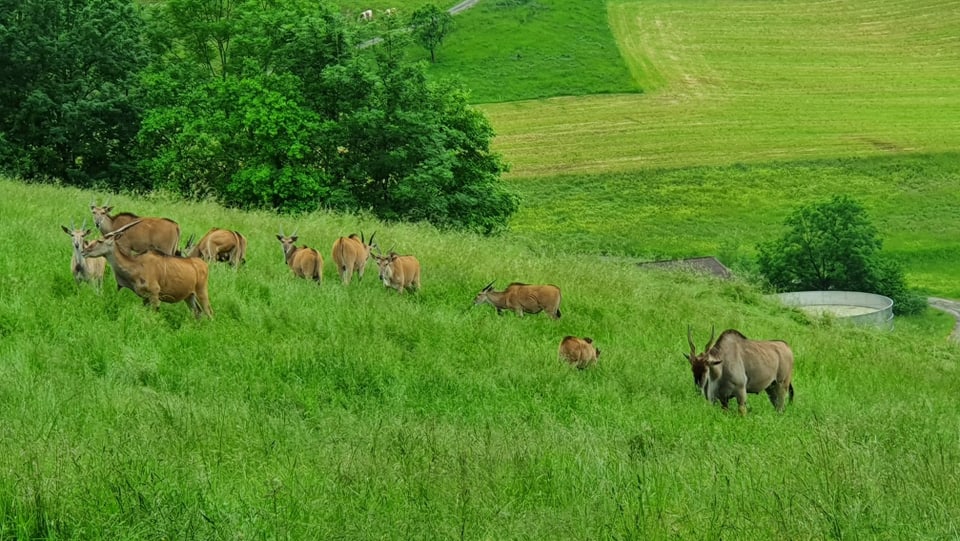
x: 791, y: 393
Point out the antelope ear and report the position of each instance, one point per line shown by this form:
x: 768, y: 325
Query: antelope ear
x: 294, y: 238
x: 588, y: 340
x: 65, y: 230
x: 280, y: 238
x: 715, y: 363
x: 107, y: 209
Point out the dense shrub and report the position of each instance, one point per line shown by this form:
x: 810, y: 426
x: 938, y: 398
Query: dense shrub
x: 833, y: 246
x: 276, y: 106
x: 67, y: 103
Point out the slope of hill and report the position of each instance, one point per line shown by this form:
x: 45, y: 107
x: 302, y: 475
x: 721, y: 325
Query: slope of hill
x: 752, y: 82
x: 316, y: 412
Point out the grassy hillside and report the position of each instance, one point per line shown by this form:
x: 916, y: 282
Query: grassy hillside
x: 305, y: 411
x: 513, y: 50
x: 752, y: 82
x: 726, y: 211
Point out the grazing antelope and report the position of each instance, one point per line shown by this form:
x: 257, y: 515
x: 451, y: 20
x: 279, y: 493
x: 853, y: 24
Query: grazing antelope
x: 579, y: 352
x: 350, y: 255
x: 303, y: 261
x: 156, y: 277
x: 84, y: 269
x: 399, y: 271
x: 734, y: 365
x: 221, y: 245
x: 522, y: 298
x: 160, y: 234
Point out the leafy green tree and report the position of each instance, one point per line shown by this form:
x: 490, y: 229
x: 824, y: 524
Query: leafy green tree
x: 68, y: 102
x: 243, y: 141
x: 431, y: 25
x: 300, y: 117
x: 833, y: 246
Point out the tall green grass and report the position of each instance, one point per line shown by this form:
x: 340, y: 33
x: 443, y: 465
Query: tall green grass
x: 314, y: 412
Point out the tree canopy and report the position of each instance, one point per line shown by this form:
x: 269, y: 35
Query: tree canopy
x: 259, y: 104
x: 431, y: 25
x: 832, y: 245
x: 68, y: 107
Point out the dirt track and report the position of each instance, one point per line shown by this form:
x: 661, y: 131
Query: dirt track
x: 951, y: 307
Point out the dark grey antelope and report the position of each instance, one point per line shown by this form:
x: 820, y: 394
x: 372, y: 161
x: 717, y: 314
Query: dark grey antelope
x: 734, y: 365
x: 156, y: 277
x: 84, y: 269
x: 522, y: 299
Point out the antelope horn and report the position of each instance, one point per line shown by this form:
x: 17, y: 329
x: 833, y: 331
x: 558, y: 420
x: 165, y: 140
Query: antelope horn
x: 713, y: 330
x: 371, y: 238
x: 118, y: 232
x: 693, y: 348
x: 295, y: 229
x: 488, y: 286
x: 281, y: 231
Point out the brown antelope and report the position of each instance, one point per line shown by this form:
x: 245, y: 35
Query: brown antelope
x: 84, y: 269
x: 160, y: 234
x: 303, y: 261
x: 221, y: 245
x: 156, y: 277
x: 734, y: 365
x: 579, y: 352
x: 399, y: 271
x: 522, y: 298
x: 350, y: 255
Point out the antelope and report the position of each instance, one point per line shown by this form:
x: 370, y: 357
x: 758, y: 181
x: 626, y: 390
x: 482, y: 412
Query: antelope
x: 522, y: 298
x: 350, y: 255
x: 734, y: 365
x: 156, y: 277
x: 579, y: 352
x: 303, y: 261
x: 160, y: 234
x: 399, y: 271
x: 84, y: 269
x: 221, y: 245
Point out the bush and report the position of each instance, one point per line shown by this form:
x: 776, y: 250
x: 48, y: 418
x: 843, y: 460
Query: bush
x: 68, y: 108
x: 833, y: 246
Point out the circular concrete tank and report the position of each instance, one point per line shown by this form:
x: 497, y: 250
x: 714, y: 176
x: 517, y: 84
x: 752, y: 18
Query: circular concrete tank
x: 853, y: 306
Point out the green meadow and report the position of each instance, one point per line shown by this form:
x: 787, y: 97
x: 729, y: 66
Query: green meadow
x: 315, y: 412
x: 661, y: 129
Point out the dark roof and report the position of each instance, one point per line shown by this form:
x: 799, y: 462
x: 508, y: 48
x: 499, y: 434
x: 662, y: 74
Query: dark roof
x: 706, y: 265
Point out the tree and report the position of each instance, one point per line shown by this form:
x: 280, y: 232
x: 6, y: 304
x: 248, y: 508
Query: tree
x: 300, y: 118
x: 833, y: 246
x: 68, y: 102
x: 431, y: 25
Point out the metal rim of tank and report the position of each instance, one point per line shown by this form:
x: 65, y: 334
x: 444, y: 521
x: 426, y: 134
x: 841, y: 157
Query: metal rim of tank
x: 879, y: 308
